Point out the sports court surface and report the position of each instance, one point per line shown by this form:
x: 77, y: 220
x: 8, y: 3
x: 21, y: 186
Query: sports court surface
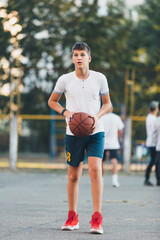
x: 33, y: 205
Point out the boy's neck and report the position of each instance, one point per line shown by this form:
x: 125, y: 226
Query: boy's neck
x: 154, y: 113
x: 82, y: 73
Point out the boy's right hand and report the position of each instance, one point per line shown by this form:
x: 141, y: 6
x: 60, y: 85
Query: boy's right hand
x: 67, y: 114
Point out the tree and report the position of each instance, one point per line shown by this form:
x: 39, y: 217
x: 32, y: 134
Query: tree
x: 146, y: 54
x: 50, y: 28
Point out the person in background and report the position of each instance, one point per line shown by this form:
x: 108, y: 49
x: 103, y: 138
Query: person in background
x: 151, y: 141
x: 158, y: 147
x: 113, y: 126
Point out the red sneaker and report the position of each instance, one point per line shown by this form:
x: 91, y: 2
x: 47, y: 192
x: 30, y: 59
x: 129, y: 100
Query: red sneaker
x: 72, y: 222
x: 96, y: 223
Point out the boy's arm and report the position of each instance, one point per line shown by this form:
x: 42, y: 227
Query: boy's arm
x: 53, y: 103
x: 106, y: 107
x: 120, y: 134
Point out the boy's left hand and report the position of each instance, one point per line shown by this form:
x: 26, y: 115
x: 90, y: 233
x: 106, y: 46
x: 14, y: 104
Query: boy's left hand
x: 95, y: 123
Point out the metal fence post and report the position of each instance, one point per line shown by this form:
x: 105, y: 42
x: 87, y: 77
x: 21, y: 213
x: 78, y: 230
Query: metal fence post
x: 13, y: 141
x: 127, y: 144
x: 52, y: 137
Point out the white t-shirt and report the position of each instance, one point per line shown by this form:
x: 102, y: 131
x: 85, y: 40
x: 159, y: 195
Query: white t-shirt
x: 150, y: 130
x: 83, y: 95
x: 158, y: 133
x: 112, y: 123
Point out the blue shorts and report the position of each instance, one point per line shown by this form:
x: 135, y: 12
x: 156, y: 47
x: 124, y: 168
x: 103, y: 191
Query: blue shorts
x: 76, y: 147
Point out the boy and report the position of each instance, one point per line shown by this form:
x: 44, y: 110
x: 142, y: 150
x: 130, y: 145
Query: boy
x: 84, y: 89
x: 113, y: 126
x: 151, y: 141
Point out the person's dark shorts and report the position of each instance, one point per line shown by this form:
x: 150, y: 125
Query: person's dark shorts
x: 76, y: 147
x: 113, y: 153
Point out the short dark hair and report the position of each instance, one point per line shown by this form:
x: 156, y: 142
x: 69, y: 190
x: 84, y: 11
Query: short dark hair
x: 159, y: 106
x: 81, y: 46
x: 153, y: 105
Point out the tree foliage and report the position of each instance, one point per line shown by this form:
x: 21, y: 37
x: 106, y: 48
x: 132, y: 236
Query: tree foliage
x: 51, y: 27
x: 146, y: 49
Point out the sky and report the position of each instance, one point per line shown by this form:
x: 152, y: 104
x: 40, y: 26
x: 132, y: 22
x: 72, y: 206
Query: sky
x: 129, y: 3
x: 132, y: 3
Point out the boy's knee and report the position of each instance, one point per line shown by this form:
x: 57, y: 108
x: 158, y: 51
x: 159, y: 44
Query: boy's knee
x: 95, y: 172
x: 74, y: 177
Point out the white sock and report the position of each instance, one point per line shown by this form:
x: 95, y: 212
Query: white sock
x: 115, y: 180
x: 114, y: 177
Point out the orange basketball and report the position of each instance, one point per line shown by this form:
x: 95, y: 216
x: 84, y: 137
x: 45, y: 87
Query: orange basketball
x: 81, y: 124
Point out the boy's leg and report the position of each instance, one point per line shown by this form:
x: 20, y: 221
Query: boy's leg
x: 103, y: 167
x: 158, y: 167
x: 115, y: 182
x: 95, y: 173
x: 152, y: 151
x: 114, y: 161
x: 95, y: 154
x: 74, y: 174
x: 114, y: 166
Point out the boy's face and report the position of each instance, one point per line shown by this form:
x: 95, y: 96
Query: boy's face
x: 81, y: 58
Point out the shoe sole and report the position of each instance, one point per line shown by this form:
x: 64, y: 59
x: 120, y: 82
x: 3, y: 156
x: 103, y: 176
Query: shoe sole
x: 116, y: 186
x: 70, y: 228
x: 97, y: 231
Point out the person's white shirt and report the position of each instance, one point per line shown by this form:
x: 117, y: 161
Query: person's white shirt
x: 150, y: 130
x: 83, y: 95
x: 112, y: 124
x: 158, y: 134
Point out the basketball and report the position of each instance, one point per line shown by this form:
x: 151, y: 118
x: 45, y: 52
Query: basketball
x: 81, y: 124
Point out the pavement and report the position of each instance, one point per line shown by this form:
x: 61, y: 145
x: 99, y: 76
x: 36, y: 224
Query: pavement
x: 33, y: 206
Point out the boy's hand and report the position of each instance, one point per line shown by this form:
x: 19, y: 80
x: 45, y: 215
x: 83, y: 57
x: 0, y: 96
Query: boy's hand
x: 95, y: 123
x: 67, y: 114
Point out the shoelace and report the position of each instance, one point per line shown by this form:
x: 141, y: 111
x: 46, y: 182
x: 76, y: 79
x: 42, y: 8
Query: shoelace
x: 95, y: 221
x: 69, y: 220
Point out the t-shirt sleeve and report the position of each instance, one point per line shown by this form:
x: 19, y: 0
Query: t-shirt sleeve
x: 60, y: 86
x: 104, y: 89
